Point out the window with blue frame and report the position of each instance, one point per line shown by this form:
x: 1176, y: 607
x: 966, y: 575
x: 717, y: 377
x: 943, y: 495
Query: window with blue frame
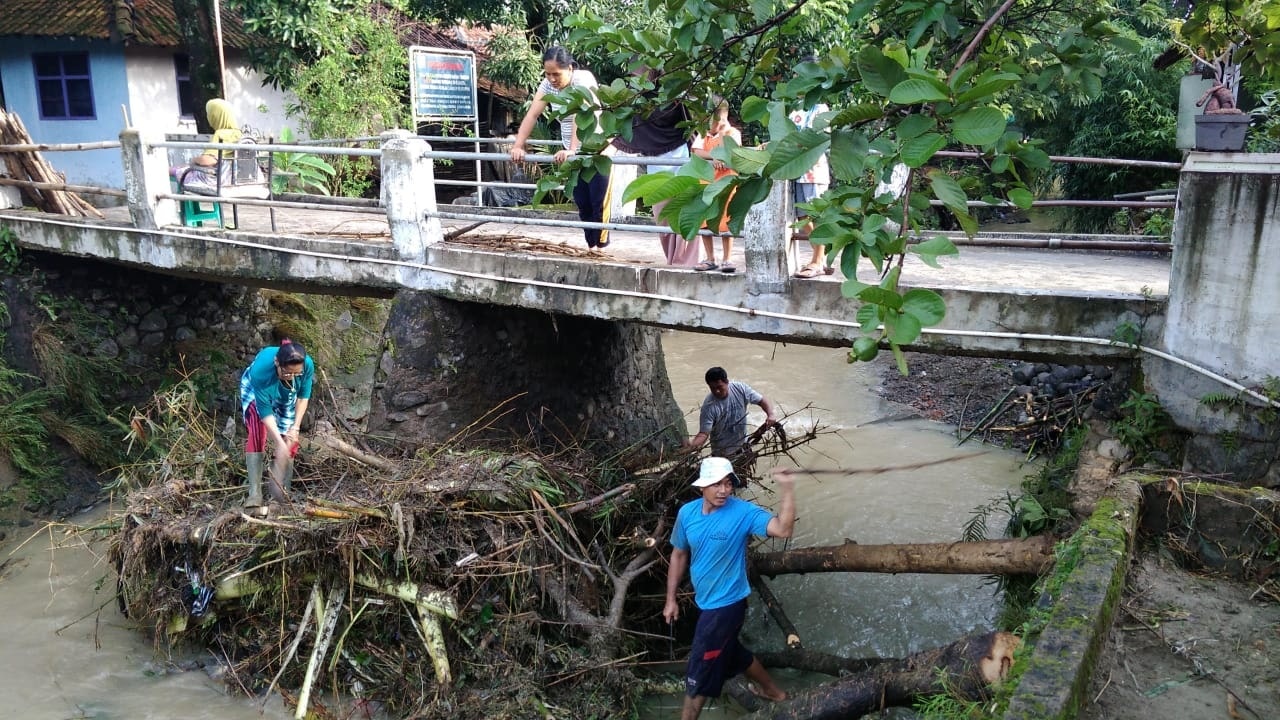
x: 186, y: 93
x: 63, y: 86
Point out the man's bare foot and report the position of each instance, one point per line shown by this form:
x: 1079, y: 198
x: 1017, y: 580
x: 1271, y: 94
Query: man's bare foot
x: 759, y: 692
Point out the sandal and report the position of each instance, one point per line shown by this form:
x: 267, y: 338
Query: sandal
x: 812, y: 270
x: 728, y: 268
x: 706, y: 265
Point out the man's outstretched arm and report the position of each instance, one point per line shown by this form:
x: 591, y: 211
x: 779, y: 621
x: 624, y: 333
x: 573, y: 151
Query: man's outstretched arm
x: 784, y: 523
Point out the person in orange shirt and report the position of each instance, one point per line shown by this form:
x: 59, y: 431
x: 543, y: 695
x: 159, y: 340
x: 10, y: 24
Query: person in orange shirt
x: 719, y: 129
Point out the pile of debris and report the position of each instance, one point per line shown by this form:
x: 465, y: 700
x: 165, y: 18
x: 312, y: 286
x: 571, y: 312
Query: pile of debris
x: 453, y: 582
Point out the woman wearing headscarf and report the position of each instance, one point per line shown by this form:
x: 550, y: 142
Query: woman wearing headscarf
x: 225, y: 131
x: 274, y: 392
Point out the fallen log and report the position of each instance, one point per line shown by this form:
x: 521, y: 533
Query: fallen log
x: 965, y: 669
x: 1023, y: 556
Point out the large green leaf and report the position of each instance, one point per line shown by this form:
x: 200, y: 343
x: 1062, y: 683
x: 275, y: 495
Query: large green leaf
x: 851, y: 289
x: 880, y: 296
x: 925, y: 306
x: 796, y: 153
x: 988, y: 85
x: 749, y: 161
x: 929, y: 250
x: 915, y: 91
x: 918, y: 151
x: 848, y: 153
x: 879, y: 73
x: 1021, y: 197
x: 868, y: 315
x: 645, y: 186
x: 854, y: 114
x: 902, y: 328
x: 979, y: 126
x: 915, y: 125
x: 946, y: 189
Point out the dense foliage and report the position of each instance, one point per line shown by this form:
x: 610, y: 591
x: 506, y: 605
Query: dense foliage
x: 903, y: 81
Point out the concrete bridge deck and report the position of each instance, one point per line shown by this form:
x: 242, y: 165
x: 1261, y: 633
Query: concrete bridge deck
x: 1001, y: 302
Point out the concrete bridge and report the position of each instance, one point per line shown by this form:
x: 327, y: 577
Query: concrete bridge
x: 1004, y: 303
x: 1203, y: 323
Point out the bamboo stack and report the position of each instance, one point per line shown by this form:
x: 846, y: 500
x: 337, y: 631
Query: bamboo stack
x: 31, y: 165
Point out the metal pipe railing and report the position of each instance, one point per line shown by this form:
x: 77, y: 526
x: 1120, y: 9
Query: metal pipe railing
x: 268, y: 147
x: 255, y: 202
x: 515, y: 220
x: 1073, y: 159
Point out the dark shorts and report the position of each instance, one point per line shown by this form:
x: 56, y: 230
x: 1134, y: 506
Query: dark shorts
x: 716, y: 655
x: 803, y: 193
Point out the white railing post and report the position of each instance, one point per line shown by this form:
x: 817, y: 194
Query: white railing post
x: 409, y: 194
x: 146, y: 175
x: 765, y: 236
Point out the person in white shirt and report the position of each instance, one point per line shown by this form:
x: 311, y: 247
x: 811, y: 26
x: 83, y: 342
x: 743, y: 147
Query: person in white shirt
x: 560, y: 71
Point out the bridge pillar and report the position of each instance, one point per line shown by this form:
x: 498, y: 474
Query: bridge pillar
x: 765, y: 236
x: 146, y: 175
x: 1224, y: 311
x: 409, y: 193
x: 503, y: 372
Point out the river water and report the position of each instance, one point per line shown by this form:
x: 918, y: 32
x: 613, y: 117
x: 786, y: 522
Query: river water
x: 58, y: 669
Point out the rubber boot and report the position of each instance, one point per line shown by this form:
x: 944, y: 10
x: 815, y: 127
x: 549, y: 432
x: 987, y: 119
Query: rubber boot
x: 253, y: 464
x: 288, y: 478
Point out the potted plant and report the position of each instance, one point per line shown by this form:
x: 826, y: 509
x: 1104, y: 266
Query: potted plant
x: 1245, y: 38
x: 1222, y: 126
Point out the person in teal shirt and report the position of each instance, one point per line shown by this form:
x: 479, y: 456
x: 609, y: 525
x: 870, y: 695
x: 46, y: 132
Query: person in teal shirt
x: 274, y: 393
x: 710, y: 540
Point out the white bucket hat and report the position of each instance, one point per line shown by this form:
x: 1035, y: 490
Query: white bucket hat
x: 713, y: 470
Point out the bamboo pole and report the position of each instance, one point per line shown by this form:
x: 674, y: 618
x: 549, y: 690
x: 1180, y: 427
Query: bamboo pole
x: 437, y: 601
x: 312, y: 602
x: 59, y: 147
x: 92, y: 189
x: 323, y: 637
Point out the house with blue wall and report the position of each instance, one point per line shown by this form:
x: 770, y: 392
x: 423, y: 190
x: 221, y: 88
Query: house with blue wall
x: 82, y: 70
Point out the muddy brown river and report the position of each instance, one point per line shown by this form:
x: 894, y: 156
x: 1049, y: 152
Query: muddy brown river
x: 55, y: 668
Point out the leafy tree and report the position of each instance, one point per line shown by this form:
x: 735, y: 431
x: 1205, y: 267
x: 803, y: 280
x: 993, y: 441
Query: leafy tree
x: 1135, y: 117
x: 903, y: 80
x: 195, y: 22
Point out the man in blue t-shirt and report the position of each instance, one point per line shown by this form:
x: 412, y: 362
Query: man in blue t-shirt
x: 723, y: 418
x: 710, y: 539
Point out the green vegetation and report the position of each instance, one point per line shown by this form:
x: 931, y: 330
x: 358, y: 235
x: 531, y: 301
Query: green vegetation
x: 65, y: 402
x: 339, y: 333
x: 1144, y: 426
x: 299, y: 172
x: 10, y: 253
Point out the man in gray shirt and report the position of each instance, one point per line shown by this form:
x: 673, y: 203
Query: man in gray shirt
x: 723, y: 419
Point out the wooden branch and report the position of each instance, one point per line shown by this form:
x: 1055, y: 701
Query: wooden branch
x: 324, y: 635
x: 774, y: 606
x: 1024, y: 556
x: 347, y: 449
x: 93, y: 189
x: 47, y: 147
x: 965, y: 669
x: 625, y: 489
x: 887, y: 468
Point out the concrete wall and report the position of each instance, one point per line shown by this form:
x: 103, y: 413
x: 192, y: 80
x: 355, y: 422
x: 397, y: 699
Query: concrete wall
x: 1224, y: 308
x: 153, y: 96
x: 110, y: 91
x: 497, y: 373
